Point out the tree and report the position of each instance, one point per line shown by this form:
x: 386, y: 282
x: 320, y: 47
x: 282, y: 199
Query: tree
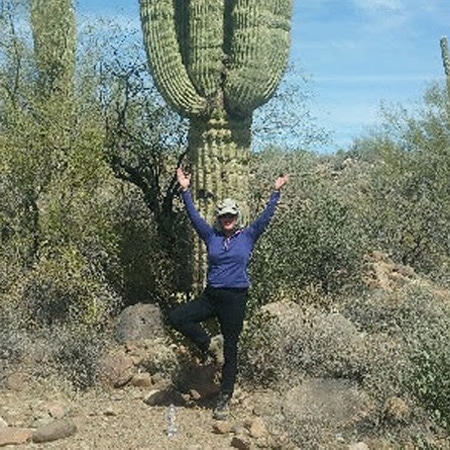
x: 145, y: 142
x: 56, y: 221
x: 406, y: 197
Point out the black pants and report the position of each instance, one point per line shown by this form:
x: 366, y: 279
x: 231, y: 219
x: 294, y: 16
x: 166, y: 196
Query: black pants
x: 228, y: 305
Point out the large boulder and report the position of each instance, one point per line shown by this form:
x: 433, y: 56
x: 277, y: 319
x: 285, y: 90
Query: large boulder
x: 116, y: 368
x: 324, y: 410
x: 138, y: 322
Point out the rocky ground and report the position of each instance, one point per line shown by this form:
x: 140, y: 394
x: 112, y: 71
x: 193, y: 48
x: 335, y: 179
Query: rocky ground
x: 114, y: 420
x: 37, y: 416
x: 128, y: 409
x: 33, y: 416
x: 46, y: 415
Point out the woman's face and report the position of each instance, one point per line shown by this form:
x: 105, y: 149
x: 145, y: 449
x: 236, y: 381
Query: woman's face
x: 228, y: 222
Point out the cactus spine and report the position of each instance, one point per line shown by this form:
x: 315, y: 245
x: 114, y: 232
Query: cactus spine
x: 215, y: 62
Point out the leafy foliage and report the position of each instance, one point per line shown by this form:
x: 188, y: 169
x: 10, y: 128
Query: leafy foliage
x: 407, y: 198
x: 315, y: 241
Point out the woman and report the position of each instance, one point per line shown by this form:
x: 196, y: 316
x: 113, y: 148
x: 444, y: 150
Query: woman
x: 229, y: 248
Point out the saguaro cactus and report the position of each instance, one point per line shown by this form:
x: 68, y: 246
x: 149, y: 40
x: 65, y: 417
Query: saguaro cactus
x: 54, y: 36
x: 446, y: 63
x: 215, y: 61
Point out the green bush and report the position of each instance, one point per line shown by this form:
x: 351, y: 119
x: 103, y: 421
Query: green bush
x: 286, y: 342
x: 430, y: 355
x: 65, y: 289
x: 405, y: 200
x: 414, y: 322
x: 315, y: 240
x: 14, y: 339
x: 75, y: 352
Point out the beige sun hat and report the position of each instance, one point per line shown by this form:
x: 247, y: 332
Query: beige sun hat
x: 228, y: 206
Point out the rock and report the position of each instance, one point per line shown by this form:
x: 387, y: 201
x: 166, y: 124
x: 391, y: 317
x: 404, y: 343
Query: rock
x: 155, y: 397
x: 56, y: 410
x: 379, y: 443
x: 164, y: 397
x: 156, y: 357
x: 327, y: 401
x: 241, y: 442
x: 238, y: 429
x: 396, y: 410
x: 318, y: 408
x: 58, y: 429
x: 221, y: 427
x: 265, y: 442
x: 116, y: 369
x: 3, y: 423
x: 358, y: 446
x: 195, y: 395
x: 140, y: 321
x: 141, y: 380
x: 17, y: 381
x: 14, y: 436
x: 257, y: 428
x: 201, y: 379
x: 110, y: 412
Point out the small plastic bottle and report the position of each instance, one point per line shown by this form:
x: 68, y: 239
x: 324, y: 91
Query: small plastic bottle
x: 171, y: 421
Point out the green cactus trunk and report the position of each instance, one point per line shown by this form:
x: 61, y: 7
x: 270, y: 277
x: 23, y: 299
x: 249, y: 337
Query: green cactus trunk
x: 54, y: 35
x: 215, y: 62
x: 446, y: 64
x: 219, y: 149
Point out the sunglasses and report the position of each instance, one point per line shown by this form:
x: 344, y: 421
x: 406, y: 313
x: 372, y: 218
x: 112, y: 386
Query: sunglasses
x: 228, y: 216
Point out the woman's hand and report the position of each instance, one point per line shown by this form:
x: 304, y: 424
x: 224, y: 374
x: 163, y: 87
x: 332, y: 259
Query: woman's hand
x: 281, y: 181
x: 183, y: 180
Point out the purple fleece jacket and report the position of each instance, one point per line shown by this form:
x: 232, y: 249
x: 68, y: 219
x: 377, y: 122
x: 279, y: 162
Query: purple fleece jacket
x: 228, y: 258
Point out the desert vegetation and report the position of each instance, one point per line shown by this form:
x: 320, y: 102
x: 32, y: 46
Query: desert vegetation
x: 351, y: 282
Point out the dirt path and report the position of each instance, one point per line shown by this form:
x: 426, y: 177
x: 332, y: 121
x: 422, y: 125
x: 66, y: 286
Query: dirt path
x: 114, y: 420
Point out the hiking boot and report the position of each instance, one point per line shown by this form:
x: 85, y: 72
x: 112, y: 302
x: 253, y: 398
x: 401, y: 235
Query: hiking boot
x: 222, y: 409
x: 215, y: 349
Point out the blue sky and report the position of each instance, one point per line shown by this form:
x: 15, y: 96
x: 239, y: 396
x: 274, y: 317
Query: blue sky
x: 357, y: 54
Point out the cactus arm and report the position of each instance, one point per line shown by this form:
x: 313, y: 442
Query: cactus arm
x: 165, y: 57
x: 205, y: 45
x: 445, y: 55
x: 259, y: 50
x: 446, y: 62
x: 54, y: 36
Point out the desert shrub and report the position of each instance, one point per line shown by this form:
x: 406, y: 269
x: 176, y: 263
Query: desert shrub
x: 147, y: 271
x: 260, y: 356
x: 413, y: 322
x: 315, y: 240
x: 284, y: 342
x: 405, y: 205
x: 63, y: 211
x: 64, y: 289
x: 365, y: 339
x: 14, y: 339
x: 66, y: 352
x: 160, y: 358
x: 430, y: 354
x: 74, y: 353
